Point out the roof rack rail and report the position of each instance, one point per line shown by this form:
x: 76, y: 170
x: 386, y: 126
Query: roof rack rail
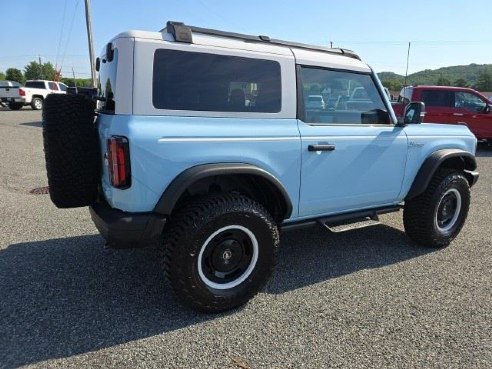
x: 183, y: 33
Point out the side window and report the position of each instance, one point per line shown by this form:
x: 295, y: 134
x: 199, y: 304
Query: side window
x: 341, y: 97
x: 62, y: 87
x: 53, y: 86
x: 35, y: 84
x: 438, y: 98
x: 469, y: 102
x: 209, y: 82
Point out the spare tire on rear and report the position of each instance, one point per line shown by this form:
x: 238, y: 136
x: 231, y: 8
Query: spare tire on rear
x: 71, y: 149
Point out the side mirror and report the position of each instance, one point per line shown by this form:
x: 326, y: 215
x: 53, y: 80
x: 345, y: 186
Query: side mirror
x: 414, y: 113
x: 486, y: 110
x: 375, y: 116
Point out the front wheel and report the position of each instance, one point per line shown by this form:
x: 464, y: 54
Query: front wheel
x: 219, y: 251
x: 435, y: 218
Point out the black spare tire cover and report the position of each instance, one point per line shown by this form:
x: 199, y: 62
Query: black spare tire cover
x: 71, y: 148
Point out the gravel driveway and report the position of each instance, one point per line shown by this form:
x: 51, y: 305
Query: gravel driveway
x: 362, y: 299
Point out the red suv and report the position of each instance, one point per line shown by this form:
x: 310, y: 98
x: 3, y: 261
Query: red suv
x: 451, y: 105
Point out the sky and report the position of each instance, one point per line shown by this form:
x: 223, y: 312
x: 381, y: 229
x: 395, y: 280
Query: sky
x: 442, y: 33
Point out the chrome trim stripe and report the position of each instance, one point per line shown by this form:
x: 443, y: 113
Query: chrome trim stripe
x: 225, y: 139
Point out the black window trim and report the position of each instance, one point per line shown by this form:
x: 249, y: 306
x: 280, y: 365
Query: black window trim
x: 300, y: 96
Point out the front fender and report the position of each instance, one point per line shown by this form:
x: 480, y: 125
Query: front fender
x: 451, y: 158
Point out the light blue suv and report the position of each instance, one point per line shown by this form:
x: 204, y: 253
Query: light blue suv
x: 203, y: 143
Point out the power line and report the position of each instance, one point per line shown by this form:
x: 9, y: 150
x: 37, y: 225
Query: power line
x: 69, y: 33
x: 421, y: 42
x: 61, y: 33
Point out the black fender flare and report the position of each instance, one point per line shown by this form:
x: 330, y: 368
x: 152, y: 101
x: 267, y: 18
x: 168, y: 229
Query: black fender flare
x: 178, y: 186
x: 465, y: 159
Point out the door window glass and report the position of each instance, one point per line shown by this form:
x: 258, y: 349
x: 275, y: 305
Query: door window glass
x: 341, y: 97
x: 469, y: 102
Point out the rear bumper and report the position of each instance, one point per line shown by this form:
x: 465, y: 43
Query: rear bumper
x: 16, y: 100
x: 126, y: 230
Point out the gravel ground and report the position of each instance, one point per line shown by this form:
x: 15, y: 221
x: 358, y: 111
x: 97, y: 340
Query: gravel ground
x: 362, y: 299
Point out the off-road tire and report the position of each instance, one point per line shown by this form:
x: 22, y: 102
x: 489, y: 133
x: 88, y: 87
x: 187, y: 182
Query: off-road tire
x: 37, y: 103
x: 15, y: 106
x: 71, y: 148
x: 185, y: 240
x: 420, y: 213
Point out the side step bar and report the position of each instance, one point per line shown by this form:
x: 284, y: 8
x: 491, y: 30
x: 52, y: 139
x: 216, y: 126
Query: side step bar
x: 357, y: 223
x: 345, y: 222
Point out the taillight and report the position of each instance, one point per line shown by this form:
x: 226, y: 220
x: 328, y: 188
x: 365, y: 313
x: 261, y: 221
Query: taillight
x: 22, y: 92
x: 119, y: 162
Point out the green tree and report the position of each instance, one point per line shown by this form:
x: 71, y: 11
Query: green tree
x: 14, y: 74
x: 442, y: 81
x: 484, y: 81
x: 81, y: 82
x: 36, y: 71
x: 2, y: 76
x: 460, y: 82
x: 393, y: 84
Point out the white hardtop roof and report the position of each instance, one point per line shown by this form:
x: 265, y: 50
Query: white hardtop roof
x: 302, y: 56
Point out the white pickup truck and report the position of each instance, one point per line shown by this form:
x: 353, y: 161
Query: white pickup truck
x: 33, y: 93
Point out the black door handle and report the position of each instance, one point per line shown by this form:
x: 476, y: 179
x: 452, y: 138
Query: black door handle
x: 321, y: 147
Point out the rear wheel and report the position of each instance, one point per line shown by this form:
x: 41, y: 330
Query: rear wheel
x: 37, y: 103
x: 15, y: 106
x: 219, y: 251
x: 435, y: 218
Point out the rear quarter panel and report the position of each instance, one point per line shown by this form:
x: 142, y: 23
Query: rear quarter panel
x: 163, y: 147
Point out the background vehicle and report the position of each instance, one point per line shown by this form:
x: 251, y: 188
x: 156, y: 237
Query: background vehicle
x: 177, y: 156
x: 9, y: 90
x: 315, y: 102
x: 33, y: 93
x: 451, y: 105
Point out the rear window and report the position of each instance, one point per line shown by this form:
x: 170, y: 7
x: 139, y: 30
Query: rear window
x: 438, y: 98
x: 210, y: 82
x: 106, y: 84
x: 9, y: 84
x: 35, y: 84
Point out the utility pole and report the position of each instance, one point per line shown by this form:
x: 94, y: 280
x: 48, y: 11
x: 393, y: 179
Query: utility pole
x: 88, y: 21
x: 74, y: 80
x: 408, y: 58
x: 40, y: 68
